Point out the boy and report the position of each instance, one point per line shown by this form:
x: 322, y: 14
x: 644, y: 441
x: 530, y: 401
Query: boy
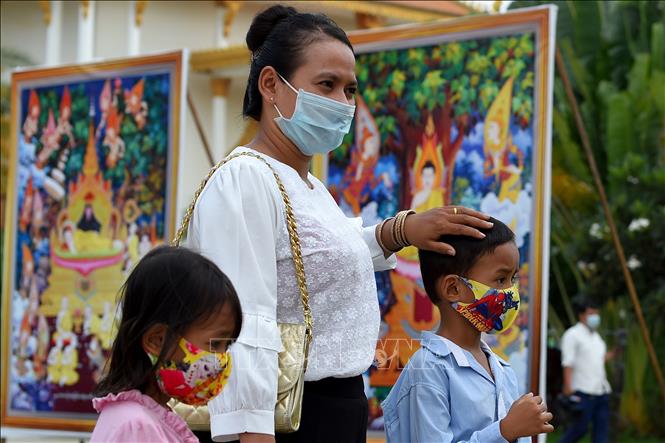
x: 454, y: 389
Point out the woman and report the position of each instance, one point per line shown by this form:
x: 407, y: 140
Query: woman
x: 301, y: 90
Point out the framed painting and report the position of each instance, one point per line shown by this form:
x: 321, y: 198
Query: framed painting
x: 452, y: 113
x: 92, y: 187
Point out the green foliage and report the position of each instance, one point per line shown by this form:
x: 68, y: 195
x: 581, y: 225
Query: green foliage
x: 615, y: 55
x: 450, y: 71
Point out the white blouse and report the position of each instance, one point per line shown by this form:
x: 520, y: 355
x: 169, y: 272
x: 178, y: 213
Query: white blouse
x: 239, y: 223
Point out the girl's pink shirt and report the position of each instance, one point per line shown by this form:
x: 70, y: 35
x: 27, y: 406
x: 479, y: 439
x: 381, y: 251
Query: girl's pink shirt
x: 131, y: 416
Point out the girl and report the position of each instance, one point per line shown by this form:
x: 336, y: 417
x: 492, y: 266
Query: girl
x: 180, y: 313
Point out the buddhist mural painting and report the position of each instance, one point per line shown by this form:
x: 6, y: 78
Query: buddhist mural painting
x: 93, y: 173
x: 445, y: 120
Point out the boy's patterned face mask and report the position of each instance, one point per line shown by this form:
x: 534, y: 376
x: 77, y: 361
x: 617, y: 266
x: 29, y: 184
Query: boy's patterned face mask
x: 198, y: 378
x: 494, y: 310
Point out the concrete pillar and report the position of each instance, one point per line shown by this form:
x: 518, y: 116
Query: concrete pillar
x: 220, y: 15
x: 136, y: 8
x: 86, y: 34
x: 220, y: 142
x: 53, y: 19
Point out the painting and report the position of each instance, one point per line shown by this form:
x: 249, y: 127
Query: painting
x: 452, y: 113
x: 92, y: 189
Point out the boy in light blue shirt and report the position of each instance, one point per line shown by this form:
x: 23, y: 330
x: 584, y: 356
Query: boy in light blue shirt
x: 454, y: 388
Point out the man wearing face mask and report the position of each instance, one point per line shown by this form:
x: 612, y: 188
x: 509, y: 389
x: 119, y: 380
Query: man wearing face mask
x: 583, y: 357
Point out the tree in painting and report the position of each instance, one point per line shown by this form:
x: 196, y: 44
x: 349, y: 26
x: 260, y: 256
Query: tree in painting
x: 453, y: 83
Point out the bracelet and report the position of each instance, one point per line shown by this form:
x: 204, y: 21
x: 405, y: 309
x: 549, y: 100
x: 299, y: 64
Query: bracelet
x: 380, y: 233
x: 399, y: 235
x: 395, y: 231
x: 402, y: 235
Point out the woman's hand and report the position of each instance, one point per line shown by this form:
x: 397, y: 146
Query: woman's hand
x: 424, y: 230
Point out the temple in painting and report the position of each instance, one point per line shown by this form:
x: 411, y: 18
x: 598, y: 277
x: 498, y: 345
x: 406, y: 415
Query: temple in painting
x: 87, y: 254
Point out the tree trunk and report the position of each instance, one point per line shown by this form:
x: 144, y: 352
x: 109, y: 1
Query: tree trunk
x: 411, y: 134
x: 449, y: 149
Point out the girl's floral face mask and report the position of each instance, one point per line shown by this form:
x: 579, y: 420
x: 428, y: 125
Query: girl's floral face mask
x: 198, y: 378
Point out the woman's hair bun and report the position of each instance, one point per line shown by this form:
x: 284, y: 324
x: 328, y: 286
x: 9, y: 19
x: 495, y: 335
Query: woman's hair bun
x: 264, y: 23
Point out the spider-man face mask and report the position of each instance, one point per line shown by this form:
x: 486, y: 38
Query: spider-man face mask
x: 494, y: 310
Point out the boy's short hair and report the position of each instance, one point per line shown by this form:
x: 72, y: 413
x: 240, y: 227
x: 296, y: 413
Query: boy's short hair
x: 468, y: 250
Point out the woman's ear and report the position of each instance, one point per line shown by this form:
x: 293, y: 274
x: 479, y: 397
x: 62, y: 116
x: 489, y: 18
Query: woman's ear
x: 268, y: 79
x: 449, y: 288
x: 153, y: 339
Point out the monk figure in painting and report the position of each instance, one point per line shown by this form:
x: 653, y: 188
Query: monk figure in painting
x: 428, y: 193
x: 428, y: 196
x: 88, y: 221
x: 428, y: 180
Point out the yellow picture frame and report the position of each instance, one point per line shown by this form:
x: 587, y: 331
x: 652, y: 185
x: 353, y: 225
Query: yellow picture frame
x: 74, y: 189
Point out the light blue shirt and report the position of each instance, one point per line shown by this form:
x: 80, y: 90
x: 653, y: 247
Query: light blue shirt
x: 444, y: 395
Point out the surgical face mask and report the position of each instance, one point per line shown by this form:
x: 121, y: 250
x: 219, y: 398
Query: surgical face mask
x: 195, y: 380
x: 494, y: 310
x: 318, y: 124
x: 593, y: 321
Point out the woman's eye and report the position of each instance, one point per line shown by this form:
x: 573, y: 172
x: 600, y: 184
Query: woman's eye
x: 501, y: 280
x: 515, y: 278
x: 351, y: 91
x: 327, y: 83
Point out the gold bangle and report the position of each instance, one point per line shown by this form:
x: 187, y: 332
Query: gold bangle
x: 402, y: 232
x: 394, y: 231
x: 380, y: 234
x: 399, y: 236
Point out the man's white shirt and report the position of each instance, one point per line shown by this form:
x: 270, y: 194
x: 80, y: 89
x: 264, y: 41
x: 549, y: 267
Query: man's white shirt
x: 583, y: 350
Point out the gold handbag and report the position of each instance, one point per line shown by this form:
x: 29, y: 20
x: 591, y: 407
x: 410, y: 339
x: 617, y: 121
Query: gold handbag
x: 296, y: 337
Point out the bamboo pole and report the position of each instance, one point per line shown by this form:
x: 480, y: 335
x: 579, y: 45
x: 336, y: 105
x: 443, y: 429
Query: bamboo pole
x: 199, y: 129
x: 610, y: 221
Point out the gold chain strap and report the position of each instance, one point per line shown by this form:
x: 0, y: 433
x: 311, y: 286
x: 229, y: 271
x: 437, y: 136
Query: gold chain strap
x: 291, y: 226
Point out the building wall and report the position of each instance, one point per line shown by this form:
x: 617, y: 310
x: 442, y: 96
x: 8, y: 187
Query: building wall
x: 22, y: 28
x: 111, y: 25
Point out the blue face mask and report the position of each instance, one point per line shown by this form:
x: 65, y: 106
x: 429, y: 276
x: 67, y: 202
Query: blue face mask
x: 593, y: 321
x: 318, y: 124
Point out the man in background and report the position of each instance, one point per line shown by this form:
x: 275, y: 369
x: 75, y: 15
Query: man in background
x: 583, y: 357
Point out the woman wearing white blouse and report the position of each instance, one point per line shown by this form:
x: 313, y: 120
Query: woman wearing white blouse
x: 301, y: 90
